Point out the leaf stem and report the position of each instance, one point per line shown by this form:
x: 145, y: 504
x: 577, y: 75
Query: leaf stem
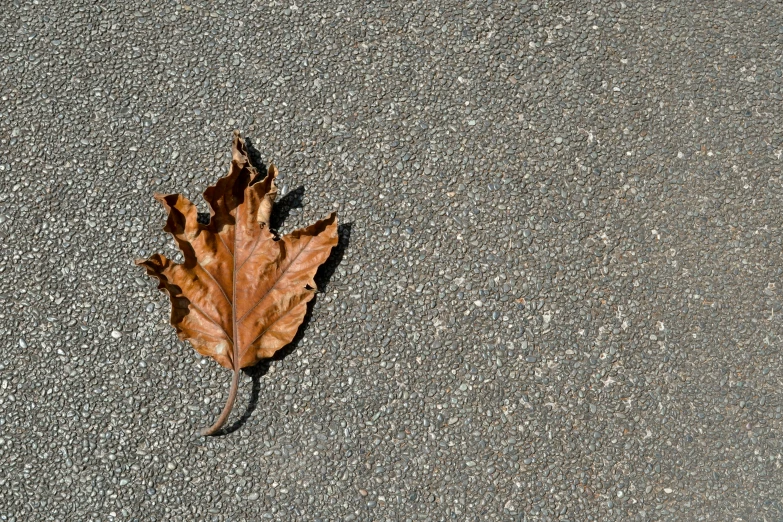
x: 232, y: 395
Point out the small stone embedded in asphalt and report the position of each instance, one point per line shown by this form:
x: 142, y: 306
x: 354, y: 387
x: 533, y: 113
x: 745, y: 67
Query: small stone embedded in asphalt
x: 476, y: 153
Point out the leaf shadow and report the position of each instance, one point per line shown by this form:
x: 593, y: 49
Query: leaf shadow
x: 256, y: 160
x: 322, y: 279
x: 287, y: 202
x: 293, y: 199
x: 327, y: 270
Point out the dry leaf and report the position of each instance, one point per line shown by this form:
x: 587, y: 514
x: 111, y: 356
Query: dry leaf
x: 241, y: 292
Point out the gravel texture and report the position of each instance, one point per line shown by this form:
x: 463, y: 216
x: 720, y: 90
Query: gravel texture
x: 557, y: 294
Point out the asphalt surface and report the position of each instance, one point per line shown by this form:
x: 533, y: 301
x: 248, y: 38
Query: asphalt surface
x: 557, y: 294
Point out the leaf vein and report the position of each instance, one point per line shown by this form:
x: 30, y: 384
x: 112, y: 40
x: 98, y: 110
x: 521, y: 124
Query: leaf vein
x: 213, y: 279
x: 252, y: 250
x: 274, y: 323
x: 211, y: 320
x: 274, y: 285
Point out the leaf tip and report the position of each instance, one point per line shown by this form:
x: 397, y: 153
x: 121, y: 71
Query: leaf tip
x: 331, y: 222
x: 164, y: 199
x: 237, y: 138
x: 239, y: 143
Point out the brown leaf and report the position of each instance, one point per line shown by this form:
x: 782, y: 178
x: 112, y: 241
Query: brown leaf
x: 241, y: 292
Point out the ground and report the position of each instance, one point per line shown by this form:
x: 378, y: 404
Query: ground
x: 557, y: 294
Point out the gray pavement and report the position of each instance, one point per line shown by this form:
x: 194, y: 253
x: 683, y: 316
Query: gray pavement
x: 557, y: 296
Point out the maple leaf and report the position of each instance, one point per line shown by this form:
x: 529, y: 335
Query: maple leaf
x: 241, y: 292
